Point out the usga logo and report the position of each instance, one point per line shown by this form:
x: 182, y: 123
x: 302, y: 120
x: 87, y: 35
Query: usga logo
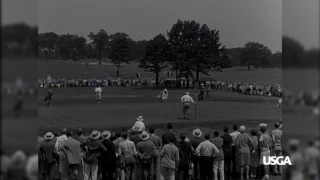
x: 276, y: 160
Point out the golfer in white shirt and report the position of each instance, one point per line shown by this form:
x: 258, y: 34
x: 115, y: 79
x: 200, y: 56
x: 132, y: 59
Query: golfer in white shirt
x: 186, y: 101
x: 98, y: 91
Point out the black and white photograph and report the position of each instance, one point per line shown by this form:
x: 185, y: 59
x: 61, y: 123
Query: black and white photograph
x: 159, y: 90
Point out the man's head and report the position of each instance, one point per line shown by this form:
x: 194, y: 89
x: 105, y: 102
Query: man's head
x: 263, y: 129
x: 124, y: 135
x: 242, y: 129
x: 169, y: 126
x: 64, y: 131
x: 216, y: 133
x: 277, y: 125
x: 69, y: 133
x: 79, y: 131
x: 207, y: 136
x: 253, y: 132
x: 235, y: 127
x: 182, y: 136
x: 172, y: 139
x: 226, y: 129
x: 151, y: 130
x: 118, y: 134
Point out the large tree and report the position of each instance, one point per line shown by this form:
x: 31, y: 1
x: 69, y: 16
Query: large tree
x: 255, y: 54
x: 48, y: 41
x: 119, y: 50
x: 193, y: 48
x: 155, y: 56
x: 100, y: 41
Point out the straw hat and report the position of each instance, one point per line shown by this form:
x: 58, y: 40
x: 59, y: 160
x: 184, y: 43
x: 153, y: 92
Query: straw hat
x: 140, y: 118
x: 138, y: 126
x: 19, y: 156
x: 187, y: 93
x: 263, y: 125
x: 144, y: 136
x: 95, y: 134
x: 49, y: 135
x: 294, y: 143
x: 106, y: 134
x: 197, y: 133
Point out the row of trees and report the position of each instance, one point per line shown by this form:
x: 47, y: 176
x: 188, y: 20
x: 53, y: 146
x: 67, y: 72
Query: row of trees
x: 188, y: 48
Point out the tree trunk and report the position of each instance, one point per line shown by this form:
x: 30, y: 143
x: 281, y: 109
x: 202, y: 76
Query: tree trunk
x: 99, y: 56
x: 188, y: 75
x: 176, y: 78
x: 198, y: 73
x: 157, y: 79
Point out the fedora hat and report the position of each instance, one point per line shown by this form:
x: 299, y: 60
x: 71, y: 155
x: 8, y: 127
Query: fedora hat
x: 140, y: 118
x: 95, y: 134
x: 144, y: 136
x: 138, y: 126
x: 106, y: 134
x: 187, y: 93
x: 263, y: 125
x: 197, y: 133
x: 49, y: 135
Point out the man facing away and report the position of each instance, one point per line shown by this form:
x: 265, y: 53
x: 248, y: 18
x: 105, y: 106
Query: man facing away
x: 186, y: 101
x: 72, y: 149
x: 277, y: 142
x: 206, y: 150
x: 169, y: 160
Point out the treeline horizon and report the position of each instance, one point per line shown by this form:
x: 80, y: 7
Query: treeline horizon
x: 22, y: 40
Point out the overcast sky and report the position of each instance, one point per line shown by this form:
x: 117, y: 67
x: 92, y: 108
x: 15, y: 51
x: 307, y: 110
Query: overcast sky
x: 239, y: 21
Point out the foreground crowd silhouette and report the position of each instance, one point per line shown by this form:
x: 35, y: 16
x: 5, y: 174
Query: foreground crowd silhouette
x: 138, y: 153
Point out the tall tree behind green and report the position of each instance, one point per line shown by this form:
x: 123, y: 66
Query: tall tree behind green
x: 100, y: 40
x: 155, y: 58
x: 119, y: 50
x: 48, y: 40
x: 255, y: 54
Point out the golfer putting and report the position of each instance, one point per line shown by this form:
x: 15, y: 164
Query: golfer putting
x: 186, y: 102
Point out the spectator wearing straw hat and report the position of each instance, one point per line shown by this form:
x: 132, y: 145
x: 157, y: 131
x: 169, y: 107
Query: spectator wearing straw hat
x: 108, y: 157
x: 49, y: 154
x: 243, y: 146
x: 94, y: 148
x: 138, y: 128
x: 16, y: 170
x: 195, y: 141
x: 145, y: 150
x: 128, y: 153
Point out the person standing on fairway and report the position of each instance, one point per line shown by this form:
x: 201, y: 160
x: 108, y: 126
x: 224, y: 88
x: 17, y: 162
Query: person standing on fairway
x: 48, y: 97
x: 186, y: 101
x: 98, y: 91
